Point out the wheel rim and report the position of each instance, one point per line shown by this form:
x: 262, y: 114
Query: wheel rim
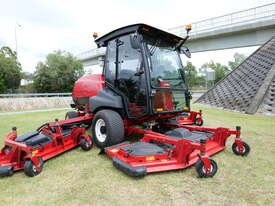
x: 87, y: 144
x: 242, y: 150
x: 34, y: 168
x: 204, y: 170
x: 100, y: 130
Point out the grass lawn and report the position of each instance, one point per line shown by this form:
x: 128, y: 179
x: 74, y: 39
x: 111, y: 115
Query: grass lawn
x: 86, y: 178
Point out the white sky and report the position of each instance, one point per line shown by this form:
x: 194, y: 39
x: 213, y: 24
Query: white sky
x: 48, y: 25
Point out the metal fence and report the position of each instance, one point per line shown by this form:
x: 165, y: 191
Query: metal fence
x: 36, y: 95
x: 68, y: 94
x: 248, y: 16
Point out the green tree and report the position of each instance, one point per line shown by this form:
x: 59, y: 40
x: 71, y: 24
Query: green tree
x: 58, y: 73
x: 238, y: 59
x: 7, y: 51
x: 10, y: 70
x: 220, y: 70
x: 27, y: 75
x: 190, y: 74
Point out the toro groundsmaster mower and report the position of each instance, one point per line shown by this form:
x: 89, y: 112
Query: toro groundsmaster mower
x: 142, y: 90
x: 29, y: 151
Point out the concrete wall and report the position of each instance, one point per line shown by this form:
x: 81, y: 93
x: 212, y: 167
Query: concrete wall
x: 15, y: 104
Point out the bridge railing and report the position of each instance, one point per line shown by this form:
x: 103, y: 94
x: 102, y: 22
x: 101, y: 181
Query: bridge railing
x: 66, y: 94
x: 94, y: 52
x: 241, y: 18
x: 253, y: 15
x: 35, y: 95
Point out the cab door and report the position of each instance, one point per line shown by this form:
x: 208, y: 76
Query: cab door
x: 125, y: 71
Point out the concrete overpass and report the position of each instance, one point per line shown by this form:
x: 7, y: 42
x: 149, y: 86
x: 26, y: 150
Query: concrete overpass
x: 92, y: 57
x: 251, y: 27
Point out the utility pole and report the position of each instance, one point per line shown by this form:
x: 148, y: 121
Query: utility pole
x: 15, y: 36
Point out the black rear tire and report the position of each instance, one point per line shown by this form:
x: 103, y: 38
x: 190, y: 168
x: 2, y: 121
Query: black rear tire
x: 245, y: 151
x: 29, y: 167
x: 107, y: 128
x: 71, y: 114
x: 201, y: 170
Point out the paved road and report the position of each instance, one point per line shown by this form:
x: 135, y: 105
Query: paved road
x: 30, y: 111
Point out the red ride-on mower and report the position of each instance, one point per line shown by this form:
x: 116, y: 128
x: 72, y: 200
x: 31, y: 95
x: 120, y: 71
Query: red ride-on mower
x: 29, y: 151
x: 143, y: 83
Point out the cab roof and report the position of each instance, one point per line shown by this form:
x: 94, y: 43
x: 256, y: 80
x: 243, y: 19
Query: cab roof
x: 143, y: 28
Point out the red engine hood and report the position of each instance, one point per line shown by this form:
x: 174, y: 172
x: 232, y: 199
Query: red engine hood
x: 88, y: 86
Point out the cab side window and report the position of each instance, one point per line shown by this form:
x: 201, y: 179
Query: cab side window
x: 130, y: 59
x: 110, y: 73
x: 130, y: 78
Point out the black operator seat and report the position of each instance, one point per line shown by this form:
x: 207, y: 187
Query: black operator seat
x: 126, y: 74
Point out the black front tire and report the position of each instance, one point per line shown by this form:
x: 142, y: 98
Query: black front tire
x: 111, y: 129
x: 85, y: 145
x: 29, y: 168
x: 70, y: 115
x: 245, y: 151
x: 201, y: 170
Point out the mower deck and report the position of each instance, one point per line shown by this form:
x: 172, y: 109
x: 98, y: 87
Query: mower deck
x: 30, y: 150
x: 178, y: 148
x: 191, y: 118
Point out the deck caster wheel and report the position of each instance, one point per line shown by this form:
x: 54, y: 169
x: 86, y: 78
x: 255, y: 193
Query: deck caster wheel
x: 201, y: 169
x: 198, y: 122
x: 243, y: 152
x: 31, y: 170
x: 85, y: 145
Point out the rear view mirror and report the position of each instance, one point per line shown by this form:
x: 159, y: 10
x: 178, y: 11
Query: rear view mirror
x: 186, y: 51
x: 134, y: 41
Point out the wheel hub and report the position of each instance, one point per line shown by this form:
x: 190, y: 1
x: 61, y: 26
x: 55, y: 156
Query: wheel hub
x: 207, y: 171
x: 100, y: 130
x: 103, y: 130
x: 34, y: 168
x: 241, y: 149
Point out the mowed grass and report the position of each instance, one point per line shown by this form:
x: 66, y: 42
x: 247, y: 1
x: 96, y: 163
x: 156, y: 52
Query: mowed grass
x: 86, y: 178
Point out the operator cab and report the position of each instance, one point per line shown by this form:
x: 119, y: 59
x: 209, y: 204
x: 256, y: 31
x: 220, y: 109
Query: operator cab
x: 143, y: 66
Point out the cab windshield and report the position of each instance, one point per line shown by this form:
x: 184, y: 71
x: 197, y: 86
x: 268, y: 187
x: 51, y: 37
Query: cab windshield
x: 165, y: 64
